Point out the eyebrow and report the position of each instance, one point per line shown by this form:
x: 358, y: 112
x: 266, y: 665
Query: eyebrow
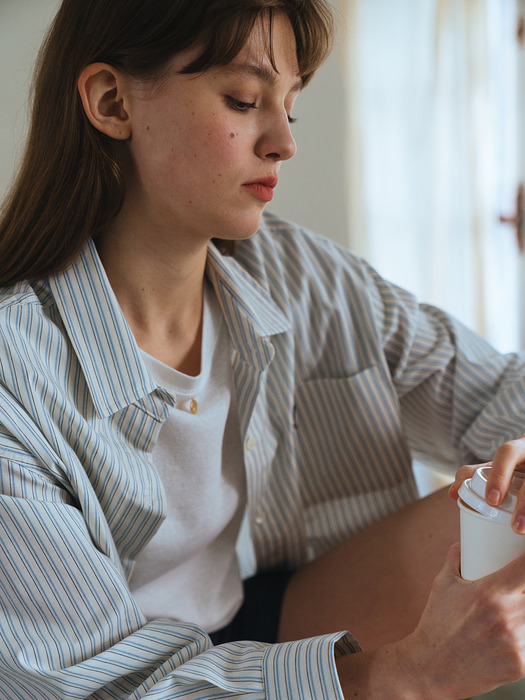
x: 261, y: 72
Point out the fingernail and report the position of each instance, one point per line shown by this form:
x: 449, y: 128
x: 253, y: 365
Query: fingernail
x: 519, y: 524
x: 493, y: 497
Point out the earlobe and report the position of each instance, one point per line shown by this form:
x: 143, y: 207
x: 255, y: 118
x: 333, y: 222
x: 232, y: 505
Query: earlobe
x: 101, y: 89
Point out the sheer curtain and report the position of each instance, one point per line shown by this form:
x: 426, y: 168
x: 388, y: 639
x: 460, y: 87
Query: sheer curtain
x: 431, y: 152
x: 432, y: 160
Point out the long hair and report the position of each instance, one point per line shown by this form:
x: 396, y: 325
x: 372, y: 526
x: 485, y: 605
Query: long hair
x: 70, y: 185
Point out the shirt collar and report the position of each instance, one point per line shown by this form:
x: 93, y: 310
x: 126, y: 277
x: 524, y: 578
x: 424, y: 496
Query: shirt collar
x: 251, y: 314
x: 100, y: 335
x: 106, y: 349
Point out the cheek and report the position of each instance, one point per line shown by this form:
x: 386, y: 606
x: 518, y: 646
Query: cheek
x: 224, y: 142
x: 200, y: 153
x: 224, y: 153
x: 210, y: 161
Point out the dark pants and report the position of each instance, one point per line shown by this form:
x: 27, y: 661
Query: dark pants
x: 258, y: 617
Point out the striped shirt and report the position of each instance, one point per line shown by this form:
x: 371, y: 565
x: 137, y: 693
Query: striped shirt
x: 340, y: 378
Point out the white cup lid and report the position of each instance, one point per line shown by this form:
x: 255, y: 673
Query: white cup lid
x: 472, y: 492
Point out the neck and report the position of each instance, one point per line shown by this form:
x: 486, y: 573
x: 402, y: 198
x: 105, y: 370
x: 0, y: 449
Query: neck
x: 160, y: 294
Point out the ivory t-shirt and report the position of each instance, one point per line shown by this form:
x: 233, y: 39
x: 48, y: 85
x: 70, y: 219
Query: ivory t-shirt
x: 189, y: 570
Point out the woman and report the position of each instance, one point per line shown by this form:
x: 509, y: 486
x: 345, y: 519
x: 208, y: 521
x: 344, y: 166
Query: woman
x: 174, y: 420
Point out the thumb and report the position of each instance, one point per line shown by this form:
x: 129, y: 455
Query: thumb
x: 511, y: 577
x: 463, y: 473
x: 453, y: 560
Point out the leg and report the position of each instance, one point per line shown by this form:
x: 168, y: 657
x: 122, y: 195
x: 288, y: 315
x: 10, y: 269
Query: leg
x: 377, y: 583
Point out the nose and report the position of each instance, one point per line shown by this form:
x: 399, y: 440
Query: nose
x: 276, y: 142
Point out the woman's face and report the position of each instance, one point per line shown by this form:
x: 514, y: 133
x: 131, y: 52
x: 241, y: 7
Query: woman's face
x: 206, y: 148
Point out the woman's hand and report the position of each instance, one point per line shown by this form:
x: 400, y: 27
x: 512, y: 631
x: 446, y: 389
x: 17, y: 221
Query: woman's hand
x: 469, y: 640
x: 471, y: 636
x: 507, y: 459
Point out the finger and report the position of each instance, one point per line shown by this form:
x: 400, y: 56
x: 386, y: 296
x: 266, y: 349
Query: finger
x: 463, y: 473
x: 518, y: 519
x: 511, y: 578
x: 452, y: 563
x: 507, y: 458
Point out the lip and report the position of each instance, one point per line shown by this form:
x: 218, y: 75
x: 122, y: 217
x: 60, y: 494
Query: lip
x: 262, y: 188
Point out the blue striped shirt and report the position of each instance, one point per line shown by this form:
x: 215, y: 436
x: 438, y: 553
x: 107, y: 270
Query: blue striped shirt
x: 340, y: 379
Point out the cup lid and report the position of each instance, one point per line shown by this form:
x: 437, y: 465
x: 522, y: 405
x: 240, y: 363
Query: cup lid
x: 472, y: 492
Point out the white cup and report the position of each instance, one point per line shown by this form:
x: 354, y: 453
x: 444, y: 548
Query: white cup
x: 488, y: 541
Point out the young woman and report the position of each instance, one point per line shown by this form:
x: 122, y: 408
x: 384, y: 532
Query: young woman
x: 186, y: 434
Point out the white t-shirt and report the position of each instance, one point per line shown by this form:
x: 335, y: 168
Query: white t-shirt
x: 189, y: 570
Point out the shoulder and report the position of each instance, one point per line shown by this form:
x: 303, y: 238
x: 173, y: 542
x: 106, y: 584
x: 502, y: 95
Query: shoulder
x: 285, y: 253
x: 303, y: 270
x: 26, y: 318
x: 21, y: 300
x: 290, y: 236
x: 285, y: 247
x: 26, y: 294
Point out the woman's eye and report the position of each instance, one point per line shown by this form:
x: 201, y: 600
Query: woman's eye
x: 242, y: 106
x: 239, y: 105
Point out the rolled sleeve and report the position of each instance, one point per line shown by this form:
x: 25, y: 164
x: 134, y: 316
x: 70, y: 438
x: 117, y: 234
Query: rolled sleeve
x: 306, y: 669
x: 298, y: 670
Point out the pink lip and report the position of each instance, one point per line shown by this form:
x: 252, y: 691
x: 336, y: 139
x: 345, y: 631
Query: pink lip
x: 262, y: 189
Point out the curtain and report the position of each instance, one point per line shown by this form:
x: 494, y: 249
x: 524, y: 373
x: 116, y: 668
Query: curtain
x: 431, y: 152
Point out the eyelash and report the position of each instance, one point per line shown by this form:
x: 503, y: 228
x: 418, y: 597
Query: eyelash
x: 241, y: 106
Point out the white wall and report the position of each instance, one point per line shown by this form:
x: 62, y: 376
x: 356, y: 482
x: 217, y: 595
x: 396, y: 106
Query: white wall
x: 312, y: 187
x: 22, y: 28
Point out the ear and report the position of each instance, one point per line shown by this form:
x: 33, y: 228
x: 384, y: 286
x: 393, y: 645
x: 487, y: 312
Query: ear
x: 102, y: 90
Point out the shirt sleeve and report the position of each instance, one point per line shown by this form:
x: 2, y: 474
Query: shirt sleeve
x: 71, y: 629
x: 460, y: 398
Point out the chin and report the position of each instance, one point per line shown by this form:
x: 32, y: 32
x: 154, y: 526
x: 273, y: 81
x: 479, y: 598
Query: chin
x: 239, y: 230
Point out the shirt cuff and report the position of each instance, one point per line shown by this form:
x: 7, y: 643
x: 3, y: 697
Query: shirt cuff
x: 306, y: 669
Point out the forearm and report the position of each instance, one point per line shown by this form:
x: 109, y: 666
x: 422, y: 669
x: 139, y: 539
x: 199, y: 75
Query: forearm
x: 468, y: 639
x: 376, y: 584
x: 380, y: 674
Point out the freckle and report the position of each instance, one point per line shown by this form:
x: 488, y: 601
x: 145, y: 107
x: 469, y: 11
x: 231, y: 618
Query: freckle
x: 147, y: 128
x: 232, y: 135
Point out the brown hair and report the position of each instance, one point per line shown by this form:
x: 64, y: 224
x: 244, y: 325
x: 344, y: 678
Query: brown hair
x: 70, y: 185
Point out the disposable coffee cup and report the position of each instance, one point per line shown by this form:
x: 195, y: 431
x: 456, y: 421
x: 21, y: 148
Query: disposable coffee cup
x: 488, y: 541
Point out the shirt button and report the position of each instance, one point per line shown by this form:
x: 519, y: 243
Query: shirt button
x: 251, y: 443
x: 259, y: 519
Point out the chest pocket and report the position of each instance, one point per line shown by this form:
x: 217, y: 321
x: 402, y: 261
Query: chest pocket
x: 350, y: 440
